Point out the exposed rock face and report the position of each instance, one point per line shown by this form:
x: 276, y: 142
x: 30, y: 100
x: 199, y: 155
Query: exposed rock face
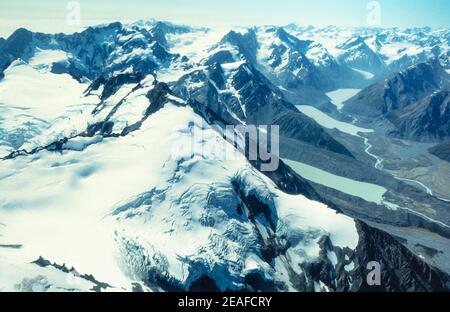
x: 44, y: 263
x: 254, y: 100
x: 414, y: 101
x: 400, y: 269
x: 426, y: 120
x: 15, y: 46
x: 96, y: 51
x: 359, y: 55
x: 295, y: 126
x: 442, y: 151
x: 246, y: 44
x: 399, y: 90
x: 344, y: 270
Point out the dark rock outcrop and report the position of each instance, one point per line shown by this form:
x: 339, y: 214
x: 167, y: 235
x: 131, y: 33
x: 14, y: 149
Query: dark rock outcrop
x: 14, y: 47
x: 399, y: 90
x: 426, y: 120
x: 98, y: 286
x: 259, y: 103
x: 359, y: 55
x: 442, y: 151
x: 401, y: 271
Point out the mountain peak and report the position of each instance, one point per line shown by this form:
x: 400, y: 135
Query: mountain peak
x: 353, y: 42
x: 14, y: 47
x: 246, y: 42
x: 19, y: 37
x: 114, y: 26
x: 423, y: 75
x: 165, y: 26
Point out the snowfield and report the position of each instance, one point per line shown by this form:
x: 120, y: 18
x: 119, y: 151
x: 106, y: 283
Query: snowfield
x: 110, y: 209
x: 37, y: 106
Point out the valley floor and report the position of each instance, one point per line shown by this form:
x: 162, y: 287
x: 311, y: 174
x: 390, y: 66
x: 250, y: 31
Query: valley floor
x: 406, y: 161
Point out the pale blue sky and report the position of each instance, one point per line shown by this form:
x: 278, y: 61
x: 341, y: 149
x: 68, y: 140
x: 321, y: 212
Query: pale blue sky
x: 50, y: 15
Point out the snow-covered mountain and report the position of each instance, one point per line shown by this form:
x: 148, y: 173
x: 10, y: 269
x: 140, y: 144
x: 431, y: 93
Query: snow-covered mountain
x: 115, y: 174
x: 390, y: 50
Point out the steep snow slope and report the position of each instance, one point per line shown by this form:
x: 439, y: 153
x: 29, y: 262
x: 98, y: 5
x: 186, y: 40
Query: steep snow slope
x: 32, y: 100
x: 138, y: 203
x: 169, y: 214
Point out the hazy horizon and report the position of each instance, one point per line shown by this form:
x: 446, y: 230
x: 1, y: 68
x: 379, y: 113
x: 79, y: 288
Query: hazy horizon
x: 52, y: 15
